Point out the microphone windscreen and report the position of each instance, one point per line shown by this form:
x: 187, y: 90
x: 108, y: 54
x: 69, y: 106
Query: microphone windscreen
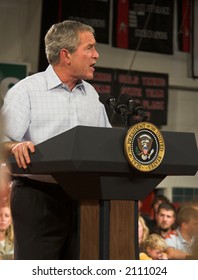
x: 107, y: 100
x: 103, y: 98
x: 124, y: 98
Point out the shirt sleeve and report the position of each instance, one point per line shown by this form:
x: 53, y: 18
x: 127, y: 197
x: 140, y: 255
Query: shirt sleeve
x: 16, y: 113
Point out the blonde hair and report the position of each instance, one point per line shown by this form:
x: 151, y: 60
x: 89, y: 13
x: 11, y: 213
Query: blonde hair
x: 155, y: 241
x: 144, y: 227
x: 10, y: 233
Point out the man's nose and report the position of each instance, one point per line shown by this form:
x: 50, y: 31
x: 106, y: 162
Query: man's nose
x: 96, y: 54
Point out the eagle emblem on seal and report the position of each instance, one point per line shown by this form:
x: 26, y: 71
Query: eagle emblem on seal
x: 145, y: 144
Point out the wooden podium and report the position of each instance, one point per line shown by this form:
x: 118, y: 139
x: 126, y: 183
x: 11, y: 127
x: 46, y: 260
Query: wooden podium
x: 89, y: 163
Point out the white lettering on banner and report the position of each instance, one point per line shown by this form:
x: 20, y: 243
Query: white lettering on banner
x: 143, y: 33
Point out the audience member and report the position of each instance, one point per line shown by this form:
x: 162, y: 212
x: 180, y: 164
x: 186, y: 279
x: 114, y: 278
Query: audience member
x: 5, y: 178
x: 144, y: 215
x: 154, y: 206
x: 143, y: 231
x: 6, y: 233
x: 194, y: 255
x: 179, y: 243
x: 165, y: 219
x: 154, y: 248
x: 6, y: 227
x: 5, y: 185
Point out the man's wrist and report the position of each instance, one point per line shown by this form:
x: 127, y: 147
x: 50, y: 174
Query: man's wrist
x: 7, y: 147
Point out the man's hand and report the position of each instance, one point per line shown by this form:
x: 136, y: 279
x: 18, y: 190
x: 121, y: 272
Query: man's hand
x: 21, y: 152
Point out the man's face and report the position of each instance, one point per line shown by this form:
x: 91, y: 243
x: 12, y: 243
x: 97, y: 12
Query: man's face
x: 84, y: 58
x: 5, y: 218
x: 165, y: 219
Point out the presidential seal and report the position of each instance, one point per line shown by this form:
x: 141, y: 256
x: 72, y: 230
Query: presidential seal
x: 144, y: 146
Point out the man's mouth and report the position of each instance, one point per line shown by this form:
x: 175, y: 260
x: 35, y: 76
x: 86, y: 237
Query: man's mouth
x: 93, y: 66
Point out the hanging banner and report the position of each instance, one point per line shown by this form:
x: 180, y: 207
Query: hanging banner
x: 148, y: 89
x: 183, y: 24
x: 143, y: 25
x: 91, y: 12
x: 10, y: 74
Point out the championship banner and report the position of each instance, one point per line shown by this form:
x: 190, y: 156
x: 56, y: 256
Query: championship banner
x: 91, y: 12
x: 194, y: 49
x: 148, y: 89
x: 143, y: 25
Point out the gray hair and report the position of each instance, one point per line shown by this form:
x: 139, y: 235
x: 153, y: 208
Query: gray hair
x: 63, y: 35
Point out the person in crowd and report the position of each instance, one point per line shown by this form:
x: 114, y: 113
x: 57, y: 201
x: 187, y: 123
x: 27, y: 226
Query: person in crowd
x: 154, y: 248
x: 40, y: 107
x: 159, y: 198
x: 6, y: 233
x: 179, y: 243
x: 143, y: 231
x: 165, y: 219
x: 145, y: 216
x: 6, y: 226
x: 194, y: 254
x: 5, y: 185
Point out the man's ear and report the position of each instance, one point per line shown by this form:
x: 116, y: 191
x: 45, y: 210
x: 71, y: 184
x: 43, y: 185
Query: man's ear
x: 65, y: 55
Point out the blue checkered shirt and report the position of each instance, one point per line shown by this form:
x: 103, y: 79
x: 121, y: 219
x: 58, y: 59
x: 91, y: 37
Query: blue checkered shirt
x: 41, y: 106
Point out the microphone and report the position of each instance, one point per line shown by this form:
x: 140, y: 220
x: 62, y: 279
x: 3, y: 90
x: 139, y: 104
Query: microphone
x: 108, y: 100
x: 118, y: 108
x: 122, y: 109
x: 134, y: 107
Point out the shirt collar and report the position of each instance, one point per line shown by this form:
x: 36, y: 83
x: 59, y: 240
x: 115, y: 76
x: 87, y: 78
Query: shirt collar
x: 53, y: 80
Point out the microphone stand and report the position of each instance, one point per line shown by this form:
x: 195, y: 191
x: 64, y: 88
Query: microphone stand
x: 125, y: 113
x: 127, y: 119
